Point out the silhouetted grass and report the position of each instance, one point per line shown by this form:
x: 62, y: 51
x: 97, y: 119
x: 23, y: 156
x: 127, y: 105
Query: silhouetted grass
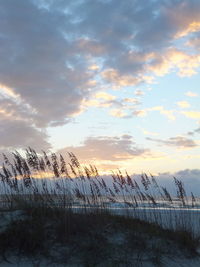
x: 69, y: 216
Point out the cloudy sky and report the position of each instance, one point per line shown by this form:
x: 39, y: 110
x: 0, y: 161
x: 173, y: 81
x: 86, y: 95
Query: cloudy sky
x: 115, y: 82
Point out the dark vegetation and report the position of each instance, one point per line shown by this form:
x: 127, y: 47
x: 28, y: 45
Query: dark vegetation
x: 94, y: 239
x: 49, y: 226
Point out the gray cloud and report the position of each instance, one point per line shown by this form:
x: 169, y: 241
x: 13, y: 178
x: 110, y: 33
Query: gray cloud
x: 190, y: 178
x: 194, y: 131
x: 20, y: 134
x: 132, y: 29
x: 17, y: 129
x: 195, y: 41
x: 38, y: 62
x: 107, y: 148
x: 179, y: 142
x: 47, y: 46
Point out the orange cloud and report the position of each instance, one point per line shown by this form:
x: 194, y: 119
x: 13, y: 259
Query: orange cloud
x: 94, y: 67
x: 175, y: 59
x: 95, y: 103
x: 192, y: 27
x: 8, y: 91
x: 105, y: 96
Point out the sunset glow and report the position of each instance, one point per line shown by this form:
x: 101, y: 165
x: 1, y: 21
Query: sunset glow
x: 115, y: 82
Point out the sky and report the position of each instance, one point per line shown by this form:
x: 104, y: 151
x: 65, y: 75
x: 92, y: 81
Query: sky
x: 115, y: 82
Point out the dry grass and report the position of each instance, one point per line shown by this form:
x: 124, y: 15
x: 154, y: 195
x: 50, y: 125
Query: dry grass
x: 52, y: 223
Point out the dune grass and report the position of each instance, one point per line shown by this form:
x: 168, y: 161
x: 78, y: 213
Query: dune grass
x: 65, y: 237
x: 68, y: 217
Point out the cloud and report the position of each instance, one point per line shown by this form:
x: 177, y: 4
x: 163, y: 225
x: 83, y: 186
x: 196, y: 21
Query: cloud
x: 191, y: 114
x: 102, y: 148
x: 194, y: 42
x: 168, y: 113
x: 191, y: 94
x: 183, y: 104
x: 118, y: 113
x: 139, y: 113
x: 105, y: 96
x: 119, y: 107
x: 138, y: 92
x: 114, y: 77
x: 134, y: 101
x: 7, y: 92
x: 20, y: 134
x: 126, y: 111
x: 128, y: 107
x: 173, y: 58
x: 15, y: 110
x: 96, y: 103
x: 56, y: 54
x: 38, y: 63
x: 194, y: 131
x: 178, y: 142
x: 192, y: 27
x: 17, y: 129
x: 149, y: 133
x: 189, y: 177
